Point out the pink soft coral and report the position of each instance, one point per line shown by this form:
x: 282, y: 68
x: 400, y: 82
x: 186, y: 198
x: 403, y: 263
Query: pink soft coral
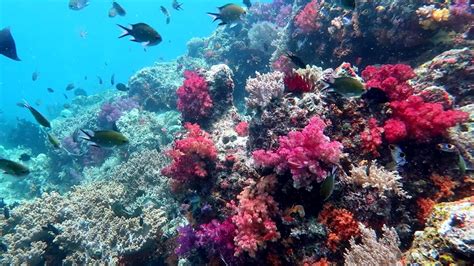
x: 192, y: 156
x: 253, y: 218
x: 304, y: 153
x: 392, y: 79
x: 194, y: 100
x: 372, y: 138
x: 242, y: 129
x: 307, y: 19
x: 422, y: 121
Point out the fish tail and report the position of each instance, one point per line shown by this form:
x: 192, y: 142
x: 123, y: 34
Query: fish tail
x: 215, y: 16
x: 24, y: 104
x: 126, y: 31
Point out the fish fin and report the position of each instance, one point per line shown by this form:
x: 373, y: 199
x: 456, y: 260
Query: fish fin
x: 224, y: 6
x: 88, y: 136
x: 232, y: 25
x: 222, y: 23
x: 126, y: 31
x: 145, y: 44
x: 96, y: 146
x: 215, y: 16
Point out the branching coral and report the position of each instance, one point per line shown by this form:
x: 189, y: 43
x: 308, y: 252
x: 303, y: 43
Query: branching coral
x: 306, y: 154
x: 376, y: 177
x: 264, y: 88
x: 373, y: 250
x: 192, y: 156
x: 194, y: 100
x: 253, y: 217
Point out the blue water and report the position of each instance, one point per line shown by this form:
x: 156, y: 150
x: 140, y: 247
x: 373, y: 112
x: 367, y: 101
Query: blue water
x: 48, y: 39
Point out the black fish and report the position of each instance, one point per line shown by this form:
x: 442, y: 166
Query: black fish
x: 25, y: 157
x: 112, y: 79
x: 247, y: 3
x: 166, y: 13
x: 50, y: 90
x: 177, y: 5
x: 296, y: 60
x: 65, y: 96
x: 37, y: 115
x: 13, y: 168
x: 51, y: 228
x: 375, y: 96
x: 34, y: 76
x: 143, y: 33
x: 119, y: 9
x: 121, y: 87
x: 70, y: 86
x: 6, y: 213
x: 7, y: 44
x: 100, y: 80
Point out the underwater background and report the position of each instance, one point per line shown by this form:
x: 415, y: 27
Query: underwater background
x: 278, y: 132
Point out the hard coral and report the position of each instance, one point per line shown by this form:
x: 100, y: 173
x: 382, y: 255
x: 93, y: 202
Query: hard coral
x: 194, y: 100
x: 295, y: 82
x: 306, y: 154
x: 341, y: 225
x: 416, y: 119
x: 192, y: 156
x: 307, y: 19
x: 392, y: 79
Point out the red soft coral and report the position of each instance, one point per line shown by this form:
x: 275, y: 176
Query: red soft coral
x: 307, y: 19
x: 294, y: 82
x: 242, y: 129
x: 423, y: 121
x: 341, y: 225
x: 191, y: 156
x: 194, y: 100
x: 392, y: 79
x: 395, y: 130
x: 306, y: 154
x: 372, y: 138
x: 253, y: 217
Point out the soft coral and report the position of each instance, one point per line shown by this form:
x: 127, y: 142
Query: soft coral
x: 194, y: 100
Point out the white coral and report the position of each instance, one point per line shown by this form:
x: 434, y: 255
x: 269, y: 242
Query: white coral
x: 264, y: 88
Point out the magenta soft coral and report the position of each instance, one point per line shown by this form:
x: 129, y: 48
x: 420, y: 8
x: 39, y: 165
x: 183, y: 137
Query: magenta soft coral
x: 306, y: 154
x: 194, y: 100
x: 307, y: 19
x: 191, y: 156
x: 416, y: 119
x: 217, y: 237
x: 392, y: 79
x: 294, y: 82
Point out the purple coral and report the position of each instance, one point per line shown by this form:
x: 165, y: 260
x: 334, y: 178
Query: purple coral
x: 217, y: 237
x: 110, y: 112
x: 186, y: 240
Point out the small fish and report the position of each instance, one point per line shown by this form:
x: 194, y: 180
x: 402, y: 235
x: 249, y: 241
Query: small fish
x: 116, y: 9
x: 105, y: 138
x: 65, y: 96
x: 34, y: 76
x: 100, y: 80
x: 85, y: 77
x: 121, y: 87
x: 348, y: 86
x: 66, y: 106
x: 398, y: 155
x: 247, y: 3
x: 347, y: 4
x: 83, y: 34
x: 25, y: 157
x: 142, y: 33
x: 166, y: 13
x: 80, y: 92
x: 375, y: 96
x: 7, y: 44
x: 450, y: 148
x: 78, y: 4
x: 70, y: 86
x: 6, y: 212
x: 112, y: 79
x: 51, y: 228
x: 50, y: 90
x: 177, y: 5
x: 54, y: 141
x: 13, y: 168
x: 37, y: 115
x: 327, y: 186
x: 296, y: 60
x: 228, y: 14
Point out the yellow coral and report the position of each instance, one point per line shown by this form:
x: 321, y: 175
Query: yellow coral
x: 440, y: 15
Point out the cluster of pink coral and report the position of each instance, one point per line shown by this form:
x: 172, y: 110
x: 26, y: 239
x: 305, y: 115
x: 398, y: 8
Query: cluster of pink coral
x: 306, y: 154
x: 253, y: 219
x: 191, y: 156
x: 307, y: 19
x: 416, y: 119
x: 242, y: 129
x: 371, y: 138
x: 194, y: 100
x: 392, y: 79
x: 294, y: 82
